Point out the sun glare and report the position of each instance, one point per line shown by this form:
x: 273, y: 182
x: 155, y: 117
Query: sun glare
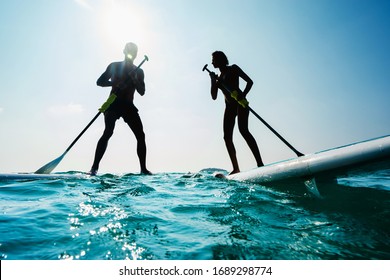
x: 122, y: 22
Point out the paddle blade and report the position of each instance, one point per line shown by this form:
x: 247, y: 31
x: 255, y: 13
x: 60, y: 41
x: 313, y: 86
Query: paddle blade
x: 46, y: 169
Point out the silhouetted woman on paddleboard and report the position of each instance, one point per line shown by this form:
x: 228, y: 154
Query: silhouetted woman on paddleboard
x: 228, y: 81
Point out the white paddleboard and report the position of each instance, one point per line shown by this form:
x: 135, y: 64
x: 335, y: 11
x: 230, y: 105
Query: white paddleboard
x: 333, y: 160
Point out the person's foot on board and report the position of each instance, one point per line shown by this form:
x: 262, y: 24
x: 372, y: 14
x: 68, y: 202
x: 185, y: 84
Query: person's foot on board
x: 234, y: 171
x: 146, y: 172
x: 92, y: 172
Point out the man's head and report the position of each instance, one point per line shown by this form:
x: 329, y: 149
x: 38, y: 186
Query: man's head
x: 130, y: 51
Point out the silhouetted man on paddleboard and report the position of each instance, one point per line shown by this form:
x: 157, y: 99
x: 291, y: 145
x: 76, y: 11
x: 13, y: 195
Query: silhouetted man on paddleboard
x: 124, y: 79
x: 228, y: 81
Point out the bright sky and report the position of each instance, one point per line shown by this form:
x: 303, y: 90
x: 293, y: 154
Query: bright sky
x: 321, y: 72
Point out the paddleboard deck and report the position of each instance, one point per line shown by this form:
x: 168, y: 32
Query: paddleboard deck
x: 33, y: 176
x: 336, y: 161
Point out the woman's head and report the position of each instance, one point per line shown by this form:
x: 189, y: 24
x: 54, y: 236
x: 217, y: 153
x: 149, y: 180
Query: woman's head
x: 219, y: 59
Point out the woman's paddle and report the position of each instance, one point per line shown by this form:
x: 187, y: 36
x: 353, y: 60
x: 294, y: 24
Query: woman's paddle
x: 244, y: 103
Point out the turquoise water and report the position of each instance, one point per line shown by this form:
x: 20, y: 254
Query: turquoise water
x: 180, y: 216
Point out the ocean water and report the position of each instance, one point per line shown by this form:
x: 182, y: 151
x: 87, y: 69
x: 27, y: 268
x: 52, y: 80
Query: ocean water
x: 194, y: 216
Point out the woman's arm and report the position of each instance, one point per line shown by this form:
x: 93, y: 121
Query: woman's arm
x: 214, y: 86
x: 246, y: 78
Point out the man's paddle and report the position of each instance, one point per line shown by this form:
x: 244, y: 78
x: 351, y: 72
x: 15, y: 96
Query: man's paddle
x: 244, y: 103
x: 47, y: 168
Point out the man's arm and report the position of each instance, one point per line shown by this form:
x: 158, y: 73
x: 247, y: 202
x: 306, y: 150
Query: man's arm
x: 138, y: 80
x: 105, y: 79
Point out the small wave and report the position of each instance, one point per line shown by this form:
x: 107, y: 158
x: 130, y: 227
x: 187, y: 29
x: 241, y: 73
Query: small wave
x: 140, y: 191
x: 211, y: 171
x: 376, y: 180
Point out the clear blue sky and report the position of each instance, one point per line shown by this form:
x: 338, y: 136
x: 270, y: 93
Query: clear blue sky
x: 321, y: 72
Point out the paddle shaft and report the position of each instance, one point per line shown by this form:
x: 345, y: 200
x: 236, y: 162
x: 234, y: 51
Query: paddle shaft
x: 82, y: 132
x: 299, y: 154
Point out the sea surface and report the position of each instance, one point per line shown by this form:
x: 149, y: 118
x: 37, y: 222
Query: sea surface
x: 193, y: 216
